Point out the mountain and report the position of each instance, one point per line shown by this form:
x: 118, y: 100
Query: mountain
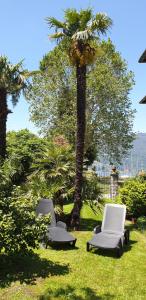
x: 132, y: 164
x: 136, y: 160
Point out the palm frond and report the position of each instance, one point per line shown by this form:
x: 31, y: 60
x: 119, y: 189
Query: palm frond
x: 79, y: 29
x: 71, y: 16
x: 15, y: 98
x: 56, y: 35
x: 85, y: 18
x: 100, y: 23
x: 17, y: 66
x: 14, y: 78
x: 53, y: 22
x: 26, y: 74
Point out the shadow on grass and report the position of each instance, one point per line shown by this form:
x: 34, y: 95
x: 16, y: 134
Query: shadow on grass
x: 112, y: 253
x: 129, y: 246
x: 26, y: 269
x: 88, y: 224
x: 131, y: 226
x: 69, y: 292
x: 62, y: 246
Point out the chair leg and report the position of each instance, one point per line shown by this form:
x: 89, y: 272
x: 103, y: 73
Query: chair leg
x: 127, y: 236
x: 120, y: 250
x: 88, y: 247
x: 74, y: 242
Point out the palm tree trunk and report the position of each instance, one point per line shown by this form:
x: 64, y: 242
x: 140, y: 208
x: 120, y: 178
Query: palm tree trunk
x: 80, y: 138
x: 3, y: 120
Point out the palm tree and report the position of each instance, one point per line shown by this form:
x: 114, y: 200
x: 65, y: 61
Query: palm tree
x: 78, y: 32
x: 13, y: 80
x: 54, y: 169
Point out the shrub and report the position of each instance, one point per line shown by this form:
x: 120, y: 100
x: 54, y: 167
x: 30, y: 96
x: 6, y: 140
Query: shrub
x: 133, y: 194
x: 20, y: 228
x: 141, y: 223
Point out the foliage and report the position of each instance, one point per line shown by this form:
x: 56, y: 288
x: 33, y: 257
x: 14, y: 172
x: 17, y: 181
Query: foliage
x: 14, y: 78
x: 5, y: 183
x: 141, y: 223
x: 24, y: 143
x: 109, y: 106
x: 77, y: 31
x: 21, y: 229
x: 142, y: 176
x: 23, y: 148
x: 53, y: 172
x: 91, y: 190
x: 13, y: 81
x: 109, y: 113
x: 51, y: 108
x: 133, y: 194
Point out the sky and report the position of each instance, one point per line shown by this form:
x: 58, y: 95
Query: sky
x: 24, y: 35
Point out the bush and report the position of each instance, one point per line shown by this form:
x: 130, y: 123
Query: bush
x: 141, y: 223
x: 133, y: 195
x: 20, y: 228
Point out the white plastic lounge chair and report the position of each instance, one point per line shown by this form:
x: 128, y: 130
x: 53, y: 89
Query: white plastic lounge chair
x: 57, y: 231
x: 111, y: 234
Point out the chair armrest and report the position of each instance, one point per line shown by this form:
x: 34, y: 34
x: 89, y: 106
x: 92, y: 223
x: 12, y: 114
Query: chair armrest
x: 97, y: 229
x: 61, y: 224
x: 126, y: 236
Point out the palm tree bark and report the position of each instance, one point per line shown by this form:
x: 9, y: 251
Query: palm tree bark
x: 80, y: 138
x: 3, y: 121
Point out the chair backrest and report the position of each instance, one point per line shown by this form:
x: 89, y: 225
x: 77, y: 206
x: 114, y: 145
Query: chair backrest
x: 114, y: 218
x: 45, y: 207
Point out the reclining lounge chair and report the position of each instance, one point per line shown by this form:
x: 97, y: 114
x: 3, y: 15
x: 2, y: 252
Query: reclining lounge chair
x: 111, y: 234
x: 56, y: 232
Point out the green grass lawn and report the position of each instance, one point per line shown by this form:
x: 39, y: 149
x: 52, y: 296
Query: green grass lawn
x: 67, y: 273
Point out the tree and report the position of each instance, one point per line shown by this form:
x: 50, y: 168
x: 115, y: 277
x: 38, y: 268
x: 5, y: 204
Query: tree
x: 109, y: 113
x: 12, y: 82
x: 52, y: 96
x: 23, y: 147
x: 78, y: 31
